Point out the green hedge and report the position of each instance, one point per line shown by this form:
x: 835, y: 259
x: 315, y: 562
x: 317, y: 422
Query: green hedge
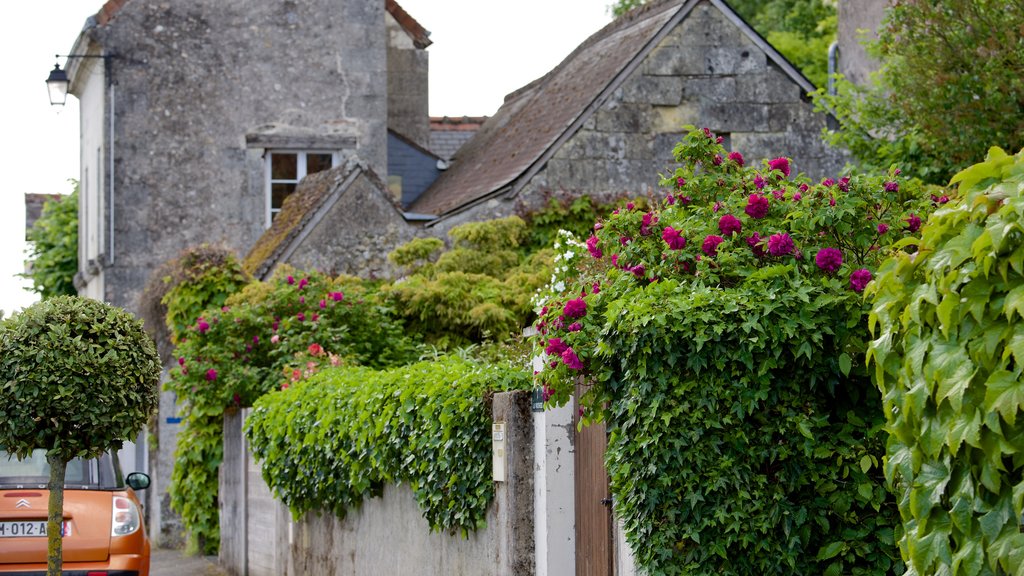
x: 330, y: 441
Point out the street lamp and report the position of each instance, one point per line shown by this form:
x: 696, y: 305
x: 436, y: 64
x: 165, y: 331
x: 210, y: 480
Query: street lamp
x: 57, y: 82
x: 57, y: 86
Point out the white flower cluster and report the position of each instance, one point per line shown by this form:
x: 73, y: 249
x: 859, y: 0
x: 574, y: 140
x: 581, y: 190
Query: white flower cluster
x: 567, y: 254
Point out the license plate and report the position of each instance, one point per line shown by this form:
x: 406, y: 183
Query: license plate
x: 27, y: 528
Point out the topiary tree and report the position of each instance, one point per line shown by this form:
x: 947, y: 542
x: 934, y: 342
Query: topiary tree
x: 77, y: 377
x: 948, y: 357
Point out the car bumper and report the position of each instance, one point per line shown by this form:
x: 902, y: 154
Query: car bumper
x: 115, y: 565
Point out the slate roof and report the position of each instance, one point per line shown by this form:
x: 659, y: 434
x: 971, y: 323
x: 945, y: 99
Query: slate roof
x: 533, y: 122
x: 449, y: 133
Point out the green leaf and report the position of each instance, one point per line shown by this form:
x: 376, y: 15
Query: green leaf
x: 845, y: 363
x: 1004, y: 393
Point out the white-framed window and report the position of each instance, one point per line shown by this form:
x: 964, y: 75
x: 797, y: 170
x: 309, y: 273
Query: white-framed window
x: 284, y: 169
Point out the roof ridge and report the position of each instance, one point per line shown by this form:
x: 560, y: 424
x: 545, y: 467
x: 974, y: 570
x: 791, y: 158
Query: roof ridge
x: 420, y: 35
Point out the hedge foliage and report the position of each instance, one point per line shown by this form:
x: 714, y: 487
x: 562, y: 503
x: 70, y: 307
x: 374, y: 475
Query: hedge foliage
x: 723, y: 332
x: 332, y: 440
x: 948, y: 358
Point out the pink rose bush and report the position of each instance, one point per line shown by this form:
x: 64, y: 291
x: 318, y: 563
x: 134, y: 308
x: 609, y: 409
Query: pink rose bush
x: 740, y: 217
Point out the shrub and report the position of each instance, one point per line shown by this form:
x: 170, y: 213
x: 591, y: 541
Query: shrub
x: 232, y: 355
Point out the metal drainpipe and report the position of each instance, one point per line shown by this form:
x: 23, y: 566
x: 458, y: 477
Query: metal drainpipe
x: 833, y: 61
x: 110, y: 200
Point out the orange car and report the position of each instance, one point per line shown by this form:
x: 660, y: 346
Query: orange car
x: 103, y: 528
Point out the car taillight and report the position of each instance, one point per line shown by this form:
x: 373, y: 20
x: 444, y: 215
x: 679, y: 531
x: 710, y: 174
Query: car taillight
x: 126, y: 517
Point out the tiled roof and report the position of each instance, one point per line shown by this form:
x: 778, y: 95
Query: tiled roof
x: 515, y: 143
x: 448, y: 134
x: 109, y: 10
x: 420, y: 35
x: 534, y: 117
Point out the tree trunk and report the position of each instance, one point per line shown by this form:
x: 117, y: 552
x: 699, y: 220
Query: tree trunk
x: 55, y: 520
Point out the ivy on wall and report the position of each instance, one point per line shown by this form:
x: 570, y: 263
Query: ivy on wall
x: 334, y: 439
x: 948, y: 357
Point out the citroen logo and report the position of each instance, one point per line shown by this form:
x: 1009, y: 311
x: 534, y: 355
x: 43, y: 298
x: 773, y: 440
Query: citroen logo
x: 23, y: 504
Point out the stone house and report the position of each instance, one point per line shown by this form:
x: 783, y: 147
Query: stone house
x: 200, y: 116
x: 602, y: 123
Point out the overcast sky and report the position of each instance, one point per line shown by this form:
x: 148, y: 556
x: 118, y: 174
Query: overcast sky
x: 483, y: 49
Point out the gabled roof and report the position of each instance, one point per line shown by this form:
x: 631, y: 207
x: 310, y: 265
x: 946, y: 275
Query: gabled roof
x: 304, y: 210
x: 535, y: 120
x: 448, y: 134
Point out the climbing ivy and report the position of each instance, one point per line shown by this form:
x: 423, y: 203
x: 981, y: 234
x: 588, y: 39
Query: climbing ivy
x: 330, y: 441
x: 722, y: 330
x: 948, y: 355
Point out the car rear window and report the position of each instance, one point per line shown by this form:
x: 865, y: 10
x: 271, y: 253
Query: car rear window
x: 34, y: 471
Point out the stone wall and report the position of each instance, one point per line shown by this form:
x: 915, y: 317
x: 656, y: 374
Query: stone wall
x: 385, y: 536
x: 407, y: 86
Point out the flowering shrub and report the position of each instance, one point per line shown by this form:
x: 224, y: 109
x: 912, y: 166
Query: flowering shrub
x: 427, y: 424
x: 231, y: 355
x: 722, y: 331
x: 948, y: 358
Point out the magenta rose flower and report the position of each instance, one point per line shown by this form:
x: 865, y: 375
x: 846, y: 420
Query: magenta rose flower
x: 575, y: 308
x: 736, y: 157
x: 729, y: 225
x: 829, y: 259
x: 913, y: 223
x: 780, y: 244
x: 859, y: 279
x: 593, y: 249
x: 780, y: 164
x: 673, y: 238
x: 710, y: 245
x: 555, y: 347
x: 759, y: 182
x: 211, y: 374
x: 883, y: 228
x: 891, y: 187
x: 757, y: 206
x: 756, y: 246
x: 202, y: 326
x: 570, y: 359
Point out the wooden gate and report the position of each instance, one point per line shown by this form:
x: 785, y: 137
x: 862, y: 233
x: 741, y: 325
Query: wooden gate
x: 594, y: 556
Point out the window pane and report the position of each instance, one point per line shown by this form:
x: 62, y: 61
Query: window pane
x: 318, y: 162
x: 278, y: 192
x: 284, y: 166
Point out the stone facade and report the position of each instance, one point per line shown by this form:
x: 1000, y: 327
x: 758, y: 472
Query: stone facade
x: 200, y: 90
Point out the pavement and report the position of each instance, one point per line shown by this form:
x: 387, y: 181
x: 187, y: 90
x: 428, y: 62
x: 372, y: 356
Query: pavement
x: 167, y: 562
